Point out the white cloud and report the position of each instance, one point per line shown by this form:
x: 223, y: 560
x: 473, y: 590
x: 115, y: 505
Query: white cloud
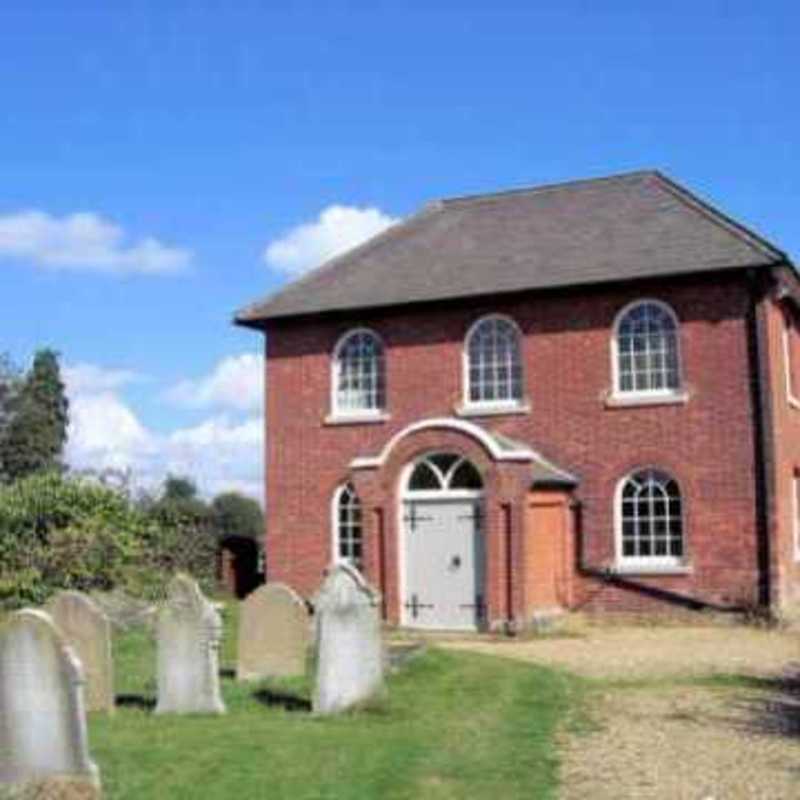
x: 105, y: 433
x: 84, y: 242
x: 336, y: 230
x: 236, y: 382
x: 87, y: 378
x: 221, y: 453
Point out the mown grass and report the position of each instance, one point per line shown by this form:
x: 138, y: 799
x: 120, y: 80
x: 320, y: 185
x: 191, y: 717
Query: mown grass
x: 453, y: 726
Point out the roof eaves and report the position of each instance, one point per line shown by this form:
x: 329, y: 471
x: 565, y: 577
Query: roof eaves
x: 257, y: 311
x: 721, y: 219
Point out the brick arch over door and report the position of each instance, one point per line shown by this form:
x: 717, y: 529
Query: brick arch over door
x: 506, y: 484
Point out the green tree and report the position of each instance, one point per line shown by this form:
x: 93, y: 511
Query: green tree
x: 178, y: 487
x: 9, y: 386
x: 179, y: 503
x: 237, y: 515
x: 37, y: 415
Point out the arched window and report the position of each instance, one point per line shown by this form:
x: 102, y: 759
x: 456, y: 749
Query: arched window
x: 347, y: 527
x: 493, y: 369
x: 358, y: 374
x: 444, y: 472
x: 650, y: 519
x: 646, y: 357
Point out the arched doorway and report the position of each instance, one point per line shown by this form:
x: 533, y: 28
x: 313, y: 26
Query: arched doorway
x: 442, y: 544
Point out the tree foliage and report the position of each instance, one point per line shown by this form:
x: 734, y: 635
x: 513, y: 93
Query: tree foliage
x: 237, y: 515
x: 33, y: 419
x: 65, y: 532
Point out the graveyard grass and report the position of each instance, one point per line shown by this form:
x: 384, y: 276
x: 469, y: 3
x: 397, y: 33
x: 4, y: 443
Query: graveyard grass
x: 453, y: 726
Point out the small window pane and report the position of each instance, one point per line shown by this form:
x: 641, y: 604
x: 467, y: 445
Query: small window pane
x: 466, y: 476
x: 424, y: 478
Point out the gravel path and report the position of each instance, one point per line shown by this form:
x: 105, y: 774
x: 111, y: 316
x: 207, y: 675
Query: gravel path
x: 640, y: 652
x: 655, y: 734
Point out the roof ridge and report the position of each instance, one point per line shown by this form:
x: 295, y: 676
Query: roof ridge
x: 718, y: 217
x: 469, y: 199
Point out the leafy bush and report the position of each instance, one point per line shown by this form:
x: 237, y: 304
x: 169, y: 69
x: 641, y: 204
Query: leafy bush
x: 61, y: 532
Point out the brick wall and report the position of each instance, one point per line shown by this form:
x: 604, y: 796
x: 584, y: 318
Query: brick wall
x: 707, y: 443
x: 785, y: 412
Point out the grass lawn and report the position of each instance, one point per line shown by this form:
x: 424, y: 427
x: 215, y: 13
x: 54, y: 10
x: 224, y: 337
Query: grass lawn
x: 455, y: 725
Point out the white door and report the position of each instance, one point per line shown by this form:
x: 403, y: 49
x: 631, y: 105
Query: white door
x: 444, y: 564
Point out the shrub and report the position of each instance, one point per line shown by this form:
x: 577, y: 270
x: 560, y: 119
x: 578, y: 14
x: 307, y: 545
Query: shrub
x: 65, y: 532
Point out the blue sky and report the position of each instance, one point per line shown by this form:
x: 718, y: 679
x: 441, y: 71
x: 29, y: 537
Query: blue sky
x: 215, y: 129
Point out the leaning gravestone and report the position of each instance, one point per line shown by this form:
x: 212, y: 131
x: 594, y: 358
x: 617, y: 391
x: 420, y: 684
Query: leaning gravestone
x: 273, y: 634
x: 88, y: 631
x: 348, y: 641
x: 43, y: 740
x: 189, y: 631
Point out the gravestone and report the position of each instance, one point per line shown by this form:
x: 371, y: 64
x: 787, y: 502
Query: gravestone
x: 87, y: 630
x: 43, y: 739
x: 349, y: 650
x: 274, y: 634
x: 189, y: 631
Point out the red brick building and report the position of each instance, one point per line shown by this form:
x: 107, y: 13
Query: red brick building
x: 581, y: 396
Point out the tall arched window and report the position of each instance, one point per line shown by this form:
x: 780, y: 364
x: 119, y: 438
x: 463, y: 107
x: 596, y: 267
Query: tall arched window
x: 650, y: 519
x: 358, y: 374
x: 493, y: 363
x: 347, y: 527
x: 646, y: 353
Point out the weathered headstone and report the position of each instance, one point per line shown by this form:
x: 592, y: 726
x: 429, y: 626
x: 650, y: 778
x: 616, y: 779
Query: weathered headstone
x: 274, y: 634
x: 43, y: 740
x: 189, y: 632
x: 87, y: 630
x: 350, y: 659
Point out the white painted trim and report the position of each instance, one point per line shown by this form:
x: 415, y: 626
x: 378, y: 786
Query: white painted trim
x: 616, y: 392
x: 793, y: 401
x: 442, y: 494
x: 357, y: 418
x: 795, y: 516
x: 448, y: 423
x: 644, y: 568
x: 656, y: 565
x: 335, y: 411
x: 659, y: 398
x: 334, y: 536
x: 465, y: 401
x: 493, y: 409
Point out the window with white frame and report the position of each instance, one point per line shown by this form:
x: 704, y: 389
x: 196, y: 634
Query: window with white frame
x: 347, y: 527
x: 358, y: 374
x: 646, y: 352
x: 791, y: 359
x: 493, y: 363
x: 650, y: 519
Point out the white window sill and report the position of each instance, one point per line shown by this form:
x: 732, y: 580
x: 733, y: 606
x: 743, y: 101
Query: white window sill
x: 652, y: 569
x: 364, y: 418
x: 793, y: 401
x: 633, y: 399
x: 493, y: 409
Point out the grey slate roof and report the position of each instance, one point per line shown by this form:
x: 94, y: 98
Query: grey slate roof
x: 543, y: 471
x: 622, y: 227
